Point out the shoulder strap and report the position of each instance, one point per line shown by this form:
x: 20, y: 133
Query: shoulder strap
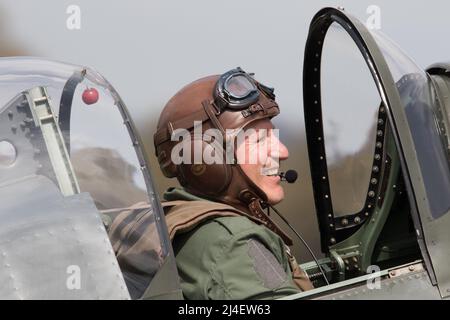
x: 182, y: 216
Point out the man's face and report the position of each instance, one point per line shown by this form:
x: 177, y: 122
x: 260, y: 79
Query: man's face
x: 259, y: 154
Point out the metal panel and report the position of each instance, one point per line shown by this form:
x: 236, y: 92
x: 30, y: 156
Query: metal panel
x: 413, y: 286
x: 410, y: 281
x: 47, y: 241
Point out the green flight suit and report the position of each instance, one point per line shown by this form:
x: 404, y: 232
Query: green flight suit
x: 230, y: 258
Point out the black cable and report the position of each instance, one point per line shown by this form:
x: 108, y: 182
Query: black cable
x: 302, y: 240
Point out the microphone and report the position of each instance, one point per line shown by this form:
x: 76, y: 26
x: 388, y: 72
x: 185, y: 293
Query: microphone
x: 289, y: 176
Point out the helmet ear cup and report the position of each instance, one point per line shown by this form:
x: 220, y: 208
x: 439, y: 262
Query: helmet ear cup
x: 210, y: 174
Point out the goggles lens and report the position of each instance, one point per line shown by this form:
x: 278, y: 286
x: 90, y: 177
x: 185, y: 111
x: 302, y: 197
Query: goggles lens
x: 238, y: 86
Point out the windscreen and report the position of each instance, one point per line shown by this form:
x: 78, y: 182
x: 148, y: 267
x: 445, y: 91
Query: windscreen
x: 350, y: 106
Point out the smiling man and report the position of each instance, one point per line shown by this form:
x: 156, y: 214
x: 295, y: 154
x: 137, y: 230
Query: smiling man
x: 226, y: 246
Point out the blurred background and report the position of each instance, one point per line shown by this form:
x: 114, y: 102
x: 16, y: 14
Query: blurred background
x: 150, y: 49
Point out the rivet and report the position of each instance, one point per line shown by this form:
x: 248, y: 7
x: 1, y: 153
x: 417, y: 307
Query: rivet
x: 375, y: 169
x: 344, y: 222
x: 380, y: 133
x: 366, y: 214
x: 333, y: 240
x: 373, y: 181
x: 324, y: 178
x: 379, y: 144
x: 326, y: 196
x: 411, y: 268
x: 380, y: 121
x: 371, y: 194
x: 377, y: 156
x: 357, y: 220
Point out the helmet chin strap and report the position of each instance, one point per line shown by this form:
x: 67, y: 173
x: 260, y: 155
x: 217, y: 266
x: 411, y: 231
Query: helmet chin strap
x: 257, y: 209
x: 255, y: 205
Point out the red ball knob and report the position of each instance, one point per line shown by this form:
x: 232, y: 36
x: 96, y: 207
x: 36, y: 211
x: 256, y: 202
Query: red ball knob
x: 90, y: 96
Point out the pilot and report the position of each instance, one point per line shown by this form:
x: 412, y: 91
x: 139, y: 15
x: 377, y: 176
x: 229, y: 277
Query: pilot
x: 226, y: 245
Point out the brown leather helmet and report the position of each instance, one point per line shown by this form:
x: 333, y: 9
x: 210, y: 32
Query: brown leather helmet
x: 232, y: 100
